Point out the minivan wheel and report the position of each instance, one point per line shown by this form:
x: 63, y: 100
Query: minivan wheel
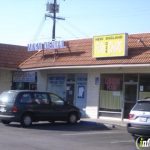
x: 72, y: 118
x: 5, y: 122
x: 26, y: 120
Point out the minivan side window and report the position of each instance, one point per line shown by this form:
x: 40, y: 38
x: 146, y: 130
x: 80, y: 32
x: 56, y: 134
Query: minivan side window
x: 26, y: 98
x: 55, y: 100
x: 41, y: 98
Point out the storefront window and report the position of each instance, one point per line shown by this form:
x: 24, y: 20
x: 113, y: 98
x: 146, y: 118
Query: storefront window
x: 71, y: 78
x: 144, y: 86
x: 56, y: 84
x: 131, y: 78
x: 111, y: 92
x: 82, y: 77
x: 24, y: 80
x: 81, y: 86
x: 112, y: 83
x: 57, y: 80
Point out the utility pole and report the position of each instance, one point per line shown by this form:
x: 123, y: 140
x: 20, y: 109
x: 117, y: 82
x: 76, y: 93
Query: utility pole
x: 54, y: 20
x: 53, y: 8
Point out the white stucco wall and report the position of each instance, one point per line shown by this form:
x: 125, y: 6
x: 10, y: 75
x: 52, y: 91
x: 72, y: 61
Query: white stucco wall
x: 5, y: 80
x: 92, y: 94
x: 42, y: 80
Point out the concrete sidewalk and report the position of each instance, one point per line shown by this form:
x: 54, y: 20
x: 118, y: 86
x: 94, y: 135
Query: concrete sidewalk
x: 109, y: 121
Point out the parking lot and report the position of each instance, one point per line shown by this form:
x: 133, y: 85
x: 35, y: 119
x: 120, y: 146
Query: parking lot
x: 84, y: 135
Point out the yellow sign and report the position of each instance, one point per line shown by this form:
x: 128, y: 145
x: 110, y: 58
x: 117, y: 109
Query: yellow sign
x: 110, y: 45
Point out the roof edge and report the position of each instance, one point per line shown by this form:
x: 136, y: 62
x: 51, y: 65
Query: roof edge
x: 87, y: 67
x: 7, y: 68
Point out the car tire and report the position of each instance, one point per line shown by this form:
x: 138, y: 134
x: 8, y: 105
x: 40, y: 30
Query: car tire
x: 6, y: 122
x: 26, y: 120
x: 72, y: 118
x: 51, y: 121
x: 135, y: 137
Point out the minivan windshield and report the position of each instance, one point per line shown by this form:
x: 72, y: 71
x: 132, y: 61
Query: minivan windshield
x: 7, y: 97
x: 142, y: 105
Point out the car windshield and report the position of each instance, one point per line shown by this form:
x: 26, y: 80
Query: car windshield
x: 8, y: 96
x: 142, y: 105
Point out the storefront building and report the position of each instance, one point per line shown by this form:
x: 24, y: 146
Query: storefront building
x: 10, y: 58
x: 99, y: 86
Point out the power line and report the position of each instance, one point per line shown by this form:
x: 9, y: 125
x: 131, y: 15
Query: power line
x: 39, y: 29
x: 76, y: 28
x: 67, y: 30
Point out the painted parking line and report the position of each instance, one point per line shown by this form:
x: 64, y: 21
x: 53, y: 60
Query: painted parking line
x: 93, y: 133
x: 125, y: 141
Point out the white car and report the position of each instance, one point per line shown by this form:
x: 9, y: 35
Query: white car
x: 139, y: 119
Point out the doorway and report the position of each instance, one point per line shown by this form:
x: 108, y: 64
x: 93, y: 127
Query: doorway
x: 130, y: 97
x: 70, y: 92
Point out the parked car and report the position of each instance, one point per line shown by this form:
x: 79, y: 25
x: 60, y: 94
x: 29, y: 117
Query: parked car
x: 32, y: 106
x: 139, y: 119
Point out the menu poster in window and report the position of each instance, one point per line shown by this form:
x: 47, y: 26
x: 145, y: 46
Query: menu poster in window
x: 81, y: 91
x: 112, y: 84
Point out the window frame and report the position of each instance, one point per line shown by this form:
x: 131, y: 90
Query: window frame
x: 41, y: 101
x: 58, y: 103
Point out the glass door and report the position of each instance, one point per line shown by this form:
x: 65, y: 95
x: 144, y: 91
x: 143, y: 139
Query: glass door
x: 130, y: 97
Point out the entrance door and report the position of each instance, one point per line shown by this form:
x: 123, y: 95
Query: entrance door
x: 70, y: 92
x: 130, y: 98
x: 81, y: 94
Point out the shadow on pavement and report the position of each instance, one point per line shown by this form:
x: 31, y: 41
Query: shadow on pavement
x: 63, y: 126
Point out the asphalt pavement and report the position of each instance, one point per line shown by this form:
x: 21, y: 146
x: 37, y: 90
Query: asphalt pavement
x: 87, y: 135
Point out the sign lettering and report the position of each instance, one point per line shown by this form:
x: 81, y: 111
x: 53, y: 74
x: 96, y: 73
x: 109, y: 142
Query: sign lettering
x: 110, y: 45
x: 46, y: 45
